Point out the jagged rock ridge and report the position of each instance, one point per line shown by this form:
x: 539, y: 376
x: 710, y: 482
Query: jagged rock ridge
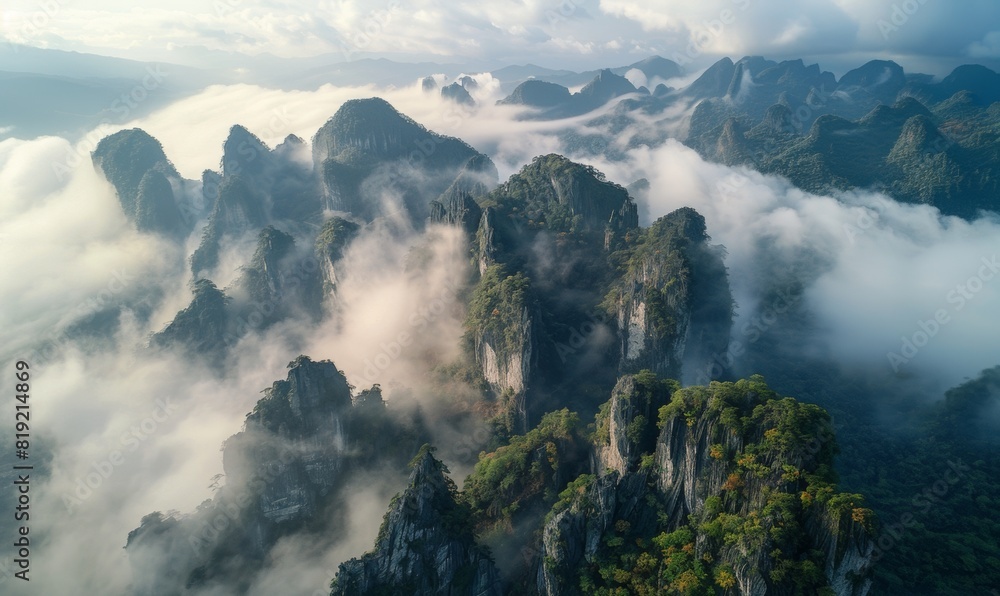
x: 425, y: 545
x: 284, y: 473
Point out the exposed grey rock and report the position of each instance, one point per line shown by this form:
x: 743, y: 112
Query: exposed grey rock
x: 284, y: 472
x: 628, y: 419
x: 674, y: 307
x: 425, y: 545
x: 333, y: 239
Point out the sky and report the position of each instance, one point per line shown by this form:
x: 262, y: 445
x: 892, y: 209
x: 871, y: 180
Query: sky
x: 926, y: 35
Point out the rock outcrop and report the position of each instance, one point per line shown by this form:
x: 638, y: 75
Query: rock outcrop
x: 366, y: 136
x: 502, y: 323
x: 278, y: 282
x: 736, y: 488
x: 674, y: 306
x: 425, y: 546
x: 285, y: 472
x: 565, y: 196
x: 458, y: 94
x: 203, y: 327
x: 134, y: 163
x: 239, y: 210
x: 333, y: 239
x: 624, y: 429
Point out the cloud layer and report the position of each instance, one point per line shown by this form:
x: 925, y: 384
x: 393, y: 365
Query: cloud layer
x: 558, y: 33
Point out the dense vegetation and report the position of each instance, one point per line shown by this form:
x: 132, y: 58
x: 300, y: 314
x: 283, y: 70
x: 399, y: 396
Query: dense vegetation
x: 773, y: 506
x: 517, y: 479
x: 558, y: 195
x: 778, y: 481
x: 941, y: 151
x: 929, y: 472
x: 497, y: 306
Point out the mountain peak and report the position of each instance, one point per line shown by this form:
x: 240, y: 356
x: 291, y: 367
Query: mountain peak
x: 538, y: 94
x: 303, y: 403
x: 714, y: 81
x: 657, y: 66
x: 135, y: 164
x: 552, y: 183
x: 875, y: 73
x: 426, y: 544
x: 457, y: 93
x: 980, y: 80
x: 240, y: 149
x: 606, y: 86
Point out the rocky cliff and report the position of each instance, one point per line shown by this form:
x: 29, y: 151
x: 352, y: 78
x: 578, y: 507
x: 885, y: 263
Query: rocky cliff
x: 285, y: 472
x: 623, y: 430
x: 501, y: 326
x: 735, y: 492
x: 673, y: 304
x: 331, y: 242
x: 425, y: 545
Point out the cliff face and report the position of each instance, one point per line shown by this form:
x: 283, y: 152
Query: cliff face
x: 624, y: 429
x: 507, y: 367
x: 425, y: 545
x: 735, y: 491
x: 673, y: 305
x: 333, y: 239
x: 783, y: 447
x: 501, y: 325
x: 284, y: 472
x: 486, y: 245
x: 279, y: 282
x: 574, y: 537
